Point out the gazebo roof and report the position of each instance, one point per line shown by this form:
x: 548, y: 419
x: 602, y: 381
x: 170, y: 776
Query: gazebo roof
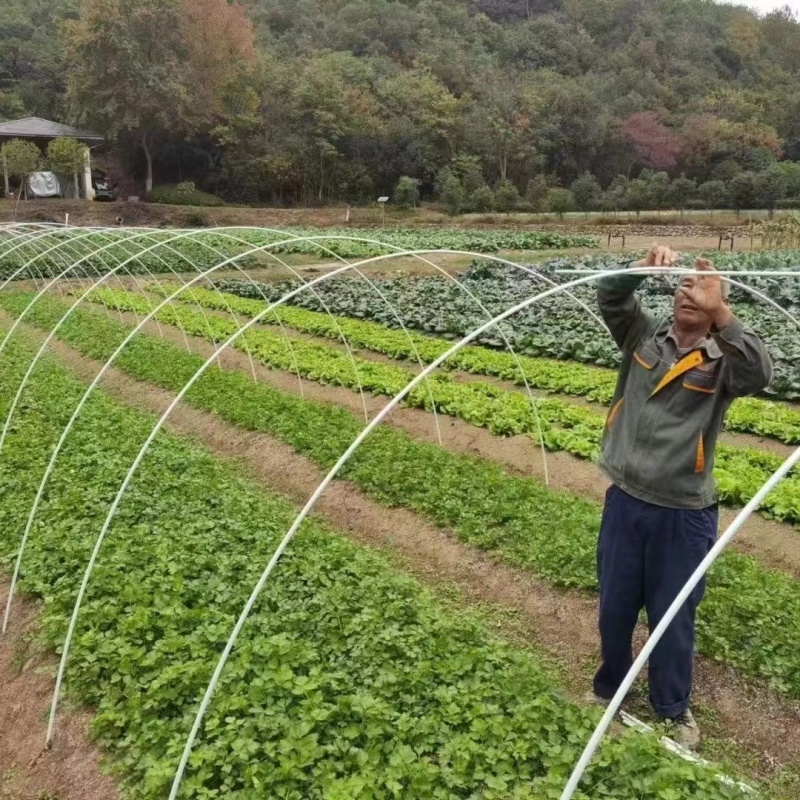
x: 37, y: 128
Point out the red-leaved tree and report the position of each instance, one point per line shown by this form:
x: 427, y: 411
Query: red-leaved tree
x: 652, y: 144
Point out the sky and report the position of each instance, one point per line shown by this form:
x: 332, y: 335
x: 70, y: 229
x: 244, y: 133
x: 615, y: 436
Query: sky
x: 765, y: 6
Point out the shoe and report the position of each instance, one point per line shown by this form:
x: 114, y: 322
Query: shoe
x: 684, y: 730
x: 592, y: 699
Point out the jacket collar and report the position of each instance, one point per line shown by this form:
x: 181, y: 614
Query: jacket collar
x: 710, y: 347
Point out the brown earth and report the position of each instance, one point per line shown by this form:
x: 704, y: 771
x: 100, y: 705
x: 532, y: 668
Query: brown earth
x: 764, y: 729
x: 692, y: 231
x: 71, y: 770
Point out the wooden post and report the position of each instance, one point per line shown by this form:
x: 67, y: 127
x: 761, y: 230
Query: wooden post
x: 5, y: 177
x: 616, y: 236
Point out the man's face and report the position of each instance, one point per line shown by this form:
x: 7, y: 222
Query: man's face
x: 687, y: 314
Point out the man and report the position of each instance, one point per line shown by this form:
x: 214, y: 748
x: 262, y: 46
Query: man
x: 675, y: 385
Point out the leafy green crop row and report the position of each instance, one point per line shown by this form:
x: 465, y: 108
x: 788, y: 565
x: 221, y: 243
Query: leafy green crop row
x: 740, y: 472
x: 747, y: 415
x: 750, y: 618
x: 349, y: 681
x: 556, y: 327
x: 203, y: 249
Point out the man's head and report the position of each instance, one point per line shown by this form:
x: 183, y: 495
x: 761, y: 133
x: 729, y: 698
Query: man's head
x: 689, y: 316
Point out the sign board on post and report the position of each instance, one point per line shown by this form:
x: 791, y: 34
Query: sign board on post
x: 383, y: 201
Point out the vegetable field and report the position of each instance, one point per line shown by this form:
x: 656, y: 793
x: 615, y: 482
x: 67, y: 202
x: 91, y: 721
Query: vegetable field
x: 230, y: 645
x: 158, y: 251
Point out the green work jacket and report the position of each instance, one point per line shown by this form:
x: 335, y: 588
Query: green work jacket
x: 667, y: 412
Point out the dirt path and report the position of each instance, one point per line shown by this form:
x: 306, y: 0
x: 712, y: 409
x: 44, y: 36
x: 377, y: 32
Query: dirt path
x: 70, y: 771
x: 764, y: 729
x: 775, y: 544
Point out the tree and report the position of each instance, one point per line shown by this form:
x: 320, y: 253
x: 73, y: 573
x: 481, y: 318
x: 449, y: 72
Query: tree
x: 560, y: 201
x: 710, y: 139
x: 428, y: 108
x: 32, y: 74
x: 20, y: 158
x: 536, y: 193
x: 576, y: 126
x: 792, y: 149
x: 482, y: 200
x: 406, y: 193
x: 725, y: 170
x: 757, y: 159
x: 616, y: 196
x: 653, y: 145
x: 332, y: 104
x: 501, y: 123
x: 150, y: 68
x: 587, y: 192
x: 658, y: 189
x: 771, y: 187
x: 682, y: 191
x: 470, y: 173
x: 66, y: 157
x: 219, y: 45
x: 452, y: 194
x: 126, y: 71
x: 713, y: 193
x: 411, y: 86
x: 638, y: 195
x: 791, y: 174
x: 506, y: 196
x: 743, y: 191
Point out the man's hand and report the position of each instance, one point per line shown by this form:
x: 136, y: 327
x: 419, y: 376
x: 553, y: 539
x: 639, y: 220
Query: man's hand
x: 706, y: 293
x: 658, y: 256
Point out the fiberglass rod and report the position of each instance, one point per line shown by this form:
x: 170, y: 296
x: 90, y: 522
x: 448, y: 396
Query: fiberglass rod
x: 163, y: 419
x: 343, y: 460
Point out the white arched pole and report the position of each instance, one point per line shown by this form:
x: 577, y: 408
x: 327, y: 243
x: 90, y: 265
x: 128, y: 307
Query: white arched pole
x: 666, y: 621
x: 18, y: 320
x: 481, y: 306
x: 348, y: 454
x: 418, y: 255
x: 105, y: 368
x: 65, y: 433
x: 21, y: 270
x: 60, y: 276
x: 162, y: 421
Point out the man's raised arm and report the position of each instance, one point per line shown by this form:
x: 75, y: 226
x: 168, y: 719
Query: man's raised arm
x: 621, y: 309
x: 748, y: 366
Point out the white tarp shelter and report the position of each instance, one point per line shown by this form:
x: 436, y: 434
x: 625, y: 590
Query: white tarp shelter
x: 42, y: 131
x: 44, y: 184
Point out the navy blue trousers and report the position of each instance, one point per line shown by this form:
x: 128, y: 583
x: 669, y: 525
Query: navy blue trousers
x: 645, y: 555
